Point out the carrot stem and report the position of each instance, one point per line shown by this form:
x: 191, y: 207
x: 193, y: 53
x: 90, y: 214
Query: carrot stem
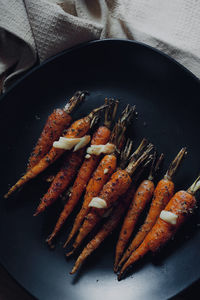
x: 125, y: 154
x: 155, y: 166
x: 121, y: 126
x: 110, y: 111
x: 195, y: 186
x: 133, y: 165
x: 175, y: 164
x: 78, y: 97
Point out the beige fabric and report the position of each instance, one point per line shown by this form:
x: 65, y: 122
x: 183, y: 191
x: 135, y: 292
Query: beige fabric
x: 42, y: 28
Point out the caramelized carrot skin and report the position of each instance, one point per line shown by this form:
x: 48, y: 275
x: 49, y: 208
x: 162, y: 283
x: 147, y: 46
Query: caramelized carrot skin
x: 142, y: 196
x: 62, y: 179
x: 98, y: 180
x: 100, y: 137
x: 53, y: 129
x: 118, y: 184
x: 162, y: 194
x: 182, y: 204
x: 78, y: 129
x: 96, y: 183
x: 107, y: 229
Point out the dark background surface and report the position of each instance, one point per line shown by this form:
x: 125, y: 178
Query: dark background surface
x: 161, y: 90
x: 10, y: 290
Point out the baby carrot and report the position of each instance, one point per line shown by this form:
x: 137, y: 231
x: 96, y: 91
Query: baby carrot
x: 100, y: 137
x: 78, y: 129
x: 104, y: 170
x: 110, y: 224
x: 62, y: 179
x: 59, y: 120
x: 118, y: 184
x: 107, y: 228
x: 141, y: 197
x: 182, y: 205
x: 162, y: 194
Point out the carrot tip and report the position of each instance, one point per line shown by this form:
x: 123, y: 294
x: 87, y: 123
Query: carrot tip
x: 115, y: 268
x: 36, y: 213
x: 120, y: 277
x: 49, y: 240
x: 68, y: 254
x: 66, y: 243
x: 51, y: 246
x: 41, y: 207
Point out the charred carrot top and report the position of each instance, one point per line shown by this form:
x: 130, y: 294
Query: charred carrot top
x: 59, y: 120
x: 140, y: 199
x: 100, y: 137
x: 118, y: 184
x: 104, y: 170
x: 77, y: 129
x: 76, y: 100
x: 182, y: 205
x: 117, y: 137
x: 162, y: 194
x: 107, y: 228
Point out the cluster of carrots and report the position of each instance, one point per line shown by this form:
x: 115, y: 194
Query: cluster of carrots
x: 105, y: 181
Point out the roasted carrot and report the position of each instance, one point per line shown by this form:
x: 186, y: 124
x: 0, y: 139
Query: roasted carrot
x: 107, y: 228
x: 104, y: 170
x: 182, y: 205
x: 162, y: 194
x: 59, y: 120
x: 62, y: 180
x: 140, y: 199
x: 110, y: 224
x: 100, y: 137
x: 78, y: 129
x: 118, y: 184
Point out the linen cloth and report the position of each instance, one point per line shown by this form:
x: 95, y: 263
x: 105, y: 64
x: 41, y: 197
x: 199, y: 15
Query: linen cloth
x: 33, y: 30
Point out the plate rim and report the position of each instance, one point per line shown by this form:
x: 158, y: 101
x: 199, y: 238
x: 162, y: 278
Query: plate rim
x: 91, y: 43
x: 79, y: 47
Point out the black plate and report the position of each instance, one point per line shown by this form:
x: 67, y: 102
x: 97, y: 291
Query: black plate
x: 167, y: 99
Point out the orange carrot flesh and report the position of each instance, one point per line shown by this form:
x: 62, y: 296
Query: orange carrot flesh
x: 100, y: 137
x: 106, y: 229
x: 118, y: 184
x: 62, y: 179
x: 116, y: 138
x: 99, y: 178
x: 59, y: 120
x: 181, y: 204
x: 162, y: 194
x: 56, y: 123
x: 78, y: 129
x: 142, y: 196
